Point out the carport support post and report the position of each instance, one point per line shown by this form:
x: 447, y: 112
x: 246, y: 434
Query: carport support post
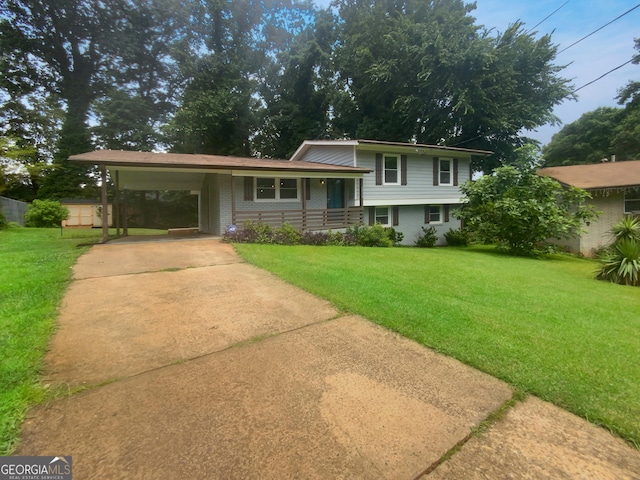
x: 116, y: 206
x: 105, y: 204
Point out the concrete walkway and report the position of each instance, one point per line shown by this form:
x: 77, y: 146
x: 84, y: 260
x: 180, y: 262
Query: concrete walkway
x: 177, y: 361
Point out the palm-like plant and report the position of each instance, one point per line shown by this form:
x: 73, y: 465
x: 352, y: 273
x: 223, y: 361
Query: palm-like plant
x: 627, y: 228
x: 622, y: 265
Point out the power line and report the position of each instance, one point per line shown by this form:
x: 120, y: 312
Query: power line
x: 579, y: 88
x: 602, y: 76
x: 596, y: 31
x: 547, y: 17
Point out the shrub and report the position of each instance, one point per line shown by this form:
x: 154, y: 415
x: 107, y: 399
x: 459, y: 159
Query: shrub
x: 372, y: 236
x: 3, y: 221
x: 395, y: 236
x: 428, y: 238
x: 46, y: 213
x: 286, y: 234
x: 457, y: 238
x: 622, y: 265
x: 328, y: 238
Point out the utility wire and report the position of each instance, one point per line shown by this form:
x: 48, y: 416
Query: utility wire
x: 547, y: 17
x: 579, y: 88
x: 596, y: 31
x: 602, y: 76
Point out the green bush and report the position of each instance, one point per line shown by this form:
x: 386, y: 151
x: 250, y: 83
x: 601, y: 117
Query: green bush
x: 428, y: 238
x: 3, y: 221
x: 372, y: 236
x: 457, y: 238
x: 286, y: 234
x: 46, y: 213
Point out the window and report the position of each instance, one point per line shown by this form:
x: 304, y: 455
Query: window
x: 632, y: 200
x: 391, y: 170
x: 382, y: 216
x: 435, y: 214
x: 445, y: 172
x: 276, y: 189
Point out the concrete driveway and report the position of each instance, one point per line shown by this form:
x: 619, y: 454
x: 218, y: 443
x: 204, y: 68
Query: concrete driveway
x: 177, y: 360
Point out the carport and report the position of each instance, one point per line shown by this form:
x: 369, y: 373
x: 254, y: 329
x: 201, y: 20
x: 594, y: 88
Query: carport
x: 228, y: 188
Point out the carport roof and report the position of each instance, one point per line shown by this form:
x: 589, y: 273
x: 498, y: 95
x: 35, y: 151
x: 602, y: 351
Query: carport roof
x: 121, y: 158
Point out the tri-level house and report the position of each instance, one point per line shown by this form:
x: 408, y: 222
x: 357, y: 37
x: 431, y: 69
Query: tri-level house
x: 409, y: 186
x: 325, y: 185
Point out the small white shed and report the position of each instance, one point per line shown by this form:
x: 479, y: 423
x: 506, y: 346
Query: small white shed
x: 85, y: 213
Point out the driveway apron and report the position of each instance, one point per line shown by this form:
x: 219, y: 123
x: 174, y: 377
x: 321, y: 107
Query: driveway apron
x: 181, y: 361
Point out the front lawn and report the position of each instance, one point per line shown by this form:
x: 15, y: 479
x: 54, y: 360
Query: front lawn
x: 35, y: 267
x: 544, y: 326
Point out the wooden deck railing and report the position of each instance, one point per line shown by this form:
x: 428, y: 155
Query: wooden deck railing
x: 315, y: 219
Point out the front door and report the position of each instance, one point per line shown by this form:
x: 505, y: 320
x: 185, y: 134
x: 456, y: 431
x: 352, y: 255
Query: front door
x: 335, y: 193
x: 335, y: 200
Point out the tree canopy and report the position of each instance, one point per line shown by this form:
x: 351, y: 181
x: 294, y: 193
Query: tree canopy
x: 257, y: 77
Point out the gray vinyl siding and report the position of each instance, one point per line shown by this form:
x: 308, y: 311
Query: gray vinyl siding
x: 215, y: 203
x: 318, y: 198
x: 330, y: 154
x: 411, y: 221
x: 419, y: 185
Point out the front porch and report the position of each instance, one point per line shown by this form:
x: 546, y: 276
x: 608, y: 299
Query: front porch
x: 305, y: 220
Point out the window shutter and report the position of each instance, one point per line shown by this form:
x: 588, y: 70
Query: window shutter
x: 446, y: 213
x: 436, y: 171
x: 403, y: 169
x: 378, y: 169
x: 455, y: 172
x: 395, y: 213
x: 248, y: 189
x: 307, y: 188
x: 372, y: 215
x: 427, y: 209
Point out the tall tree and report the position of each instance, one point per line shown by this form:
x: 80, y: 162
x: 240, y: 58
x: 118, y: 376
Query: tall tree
x: 587, y: 140
x: 78, y: 51
x: 298, y: 91
x: 234, y: 46
x: 424, y: 71
x: 626, y: 141
x: 144, y: 81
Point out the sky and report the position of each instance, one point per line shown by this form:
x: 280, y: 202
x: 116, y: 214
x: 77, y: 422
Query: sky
x: 586, y: 61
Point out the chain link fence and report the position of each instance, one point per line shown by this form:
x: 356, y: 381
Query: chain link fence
x: 13, y: 210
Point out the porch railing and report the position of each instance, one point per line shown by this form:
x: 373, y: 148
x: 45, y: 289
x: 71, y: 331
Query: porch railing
x: 310, y: 219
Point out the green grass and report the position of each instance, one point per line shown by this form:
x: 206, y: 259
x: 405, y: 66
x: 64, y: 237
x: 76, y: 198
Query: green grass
x: 35, y: 267
x: 544, y: 326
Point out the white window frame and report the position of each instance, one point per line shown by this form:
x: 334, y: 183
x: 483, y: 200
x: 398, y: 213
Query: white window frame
x: 440, y: 215
x: 388, y: 215
x: 277, y: 198
x: 441, y: 171
x: 398, y: 168
x: 635, y: 198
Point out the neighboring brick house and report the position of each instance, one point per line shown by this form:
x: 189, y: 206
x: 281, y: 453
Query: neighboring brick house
x: 615, y: 189
x: 325, y: 185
